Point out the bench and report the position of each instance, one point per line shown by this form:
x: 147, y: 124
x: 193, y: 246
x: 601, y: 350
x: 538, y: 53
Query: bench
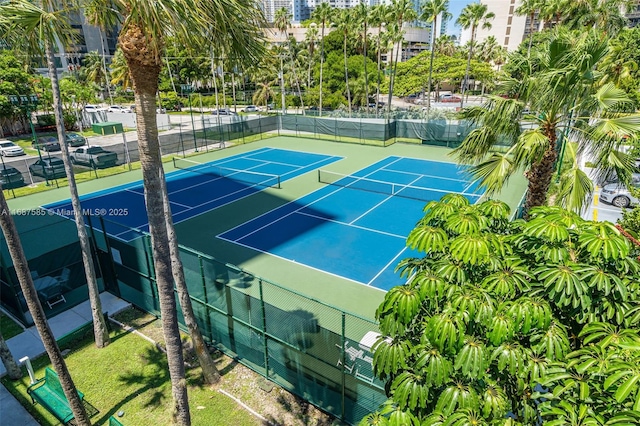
x: 48, y: 393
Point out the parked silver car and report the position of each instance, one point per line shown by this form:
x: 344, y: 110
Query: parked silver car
x: 619, y: 195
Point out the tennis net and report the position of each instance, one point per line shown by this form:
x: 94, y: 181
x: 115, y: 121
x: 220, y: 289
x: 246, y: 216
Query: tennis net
x: 383, y: 187
x: 246, y: 176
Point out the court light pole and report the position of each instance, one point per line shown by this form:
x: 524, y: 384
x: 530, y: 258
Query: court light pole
x: 27, y: 101
x: 187, y: 88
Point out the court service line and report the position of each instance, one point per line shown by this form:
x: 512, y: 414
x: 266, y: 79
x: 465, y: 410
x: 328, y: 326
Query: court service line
x: 292, y: 212
x: 403, y: 237
x: 370, y: 283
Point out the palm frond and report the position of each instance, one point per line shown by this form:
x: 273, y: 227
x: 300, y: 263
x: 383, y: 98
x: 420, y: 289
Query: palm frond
x: 476, y: 145
x: 530, y: 147
x: 493, y: 173
x: 575, y: 189
x: 609, y: 96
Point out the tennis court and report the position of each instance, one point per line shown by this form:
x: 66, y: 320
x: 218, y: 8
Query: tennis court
x: 197, y: 188
x: 356, y: 227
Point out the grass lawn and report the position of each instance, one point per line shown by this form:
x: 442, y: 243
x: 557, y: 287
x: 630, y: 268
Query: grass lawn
x: 131, y: 375
x: 9, y: 327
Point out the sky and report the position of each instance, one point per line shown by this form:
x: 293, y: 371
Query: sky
x: 455, y: 6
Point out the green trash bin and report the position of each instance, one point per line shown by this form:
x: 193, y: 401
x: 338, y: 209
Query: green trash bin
x: 107, y: 128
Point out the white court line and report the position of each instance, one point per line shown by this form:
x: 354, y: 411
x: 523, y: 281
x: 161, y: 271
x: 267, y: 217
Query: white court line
x: 353, y: 226
x: 386, y: 266
x: 380, y: 203
x: 421, y: 175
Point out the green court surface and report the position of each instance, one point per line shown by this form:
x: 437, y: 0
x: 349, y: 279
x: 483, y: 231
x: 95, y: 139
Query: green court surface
x: 199, y: 232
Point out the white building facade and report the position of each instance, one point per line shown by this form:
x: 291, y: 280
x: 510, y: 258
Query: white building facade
x: 507, y: 27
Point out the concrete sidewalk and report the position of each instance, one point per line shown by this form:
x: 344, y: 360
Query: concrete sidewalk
x: 29, y: 344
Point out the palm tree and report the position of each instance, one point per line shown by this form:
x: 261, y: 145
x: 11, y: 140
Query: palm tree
x: 362, y: 17
x: 30, y: 293
x: 529, y: 8
x: 236, y: 25
x: 430, y: 12
x: 45, y: 27
x: 569, y: 101
x: 264, y: 78
x: 401, y: 11
x: 445, y: 46
x: 379, y: 17
x: 9, y: 362
x: 103, y: 23
x: 311, y: 38
x: 345, y: 25
x: 474, y: 15
x: 120, y: 71
x: 282, y: 21
x: 322, y: 15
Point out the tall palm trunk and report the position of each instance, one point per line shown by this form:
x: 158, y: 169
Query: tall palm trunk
x: 321, y: 68
x: 104, y: 68
x: 390, y: 96
x: 540, y: 175
x: 101, y: 334
x: 364, y: 59
x: 209, y: 371
x: 466, y: 72
x: 379, y: 66
x: 433, y: 51
x: 282, y: 97
x: 144, y: 69
x: 346, y: 73
x: 9, y: 362
x: 295, y: 76
x: 37, y: 313
x: 531, y: 17
x: 394, y: 68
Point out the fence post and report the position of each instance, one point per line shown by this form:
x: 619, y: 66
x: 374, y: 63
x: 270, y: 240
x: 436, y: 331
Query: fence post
x: 264, y: 331
x: 343, y: 360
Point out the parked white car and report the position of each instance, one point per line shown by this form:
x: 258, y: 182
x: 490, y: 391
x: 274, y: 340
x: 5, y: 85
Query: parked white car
x: 251, y: 108
x: 10, y: 149
x: 619, y: 195
x: 93, y: 108
x: 119, y: 108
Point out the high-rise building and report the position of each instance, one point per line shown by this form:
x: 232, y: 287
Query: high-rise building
x: 507, y: 27
x: 89, y: 39
x: 271, y: 6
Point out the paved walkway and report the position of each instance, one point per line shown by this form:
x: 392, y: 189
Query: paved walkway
x: 12, y: 413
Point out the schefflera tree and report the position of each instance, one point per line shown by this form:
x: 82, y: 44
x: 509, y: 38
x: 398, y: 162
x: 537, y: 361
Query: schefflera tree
x: 489, y: 324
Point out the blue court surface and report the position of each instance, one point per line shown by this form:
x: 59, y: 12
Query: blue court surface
x: 196, y: 189
x: 356, y: 227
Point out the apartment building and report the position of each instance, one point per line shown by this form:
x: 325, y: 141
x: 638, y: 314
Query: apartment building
x: 507, y: 27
